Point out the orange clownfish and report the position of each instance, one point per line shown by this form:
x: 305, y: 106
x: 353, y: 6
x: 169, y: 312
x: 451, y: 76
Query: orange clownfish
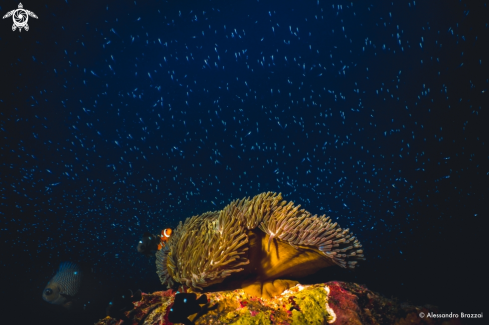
x: 165, y: 236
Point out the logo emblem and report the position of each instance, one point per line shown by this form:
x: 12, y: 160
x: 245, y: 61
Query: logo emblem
x: 20, y: 17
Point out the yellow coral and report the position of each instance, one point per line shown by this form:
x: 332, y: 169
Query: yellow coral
x: 312, y: 305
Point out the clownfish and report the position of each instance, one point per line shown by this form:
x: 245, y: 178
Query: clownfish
x: 165, y: 236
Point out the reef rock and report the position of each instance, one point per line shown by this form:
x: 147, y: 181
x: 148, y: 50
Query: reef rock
x: 325, y: 303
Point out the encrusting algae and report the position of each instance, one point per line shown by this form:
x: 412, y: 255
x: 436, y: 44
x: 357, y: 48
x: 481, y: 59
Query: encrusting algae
x: 337, y: 303
x: 256, y: 244
x: 298, y: 305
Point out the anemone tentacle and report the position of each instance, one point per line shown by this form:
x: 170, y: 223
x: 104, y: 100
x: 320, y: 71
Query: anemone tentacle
x: 206, y: 249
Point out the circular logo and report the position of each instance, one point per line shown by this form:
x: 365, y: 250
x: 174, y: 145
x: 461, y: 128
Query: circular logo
x: 20, y: 18
x: 421, y: 315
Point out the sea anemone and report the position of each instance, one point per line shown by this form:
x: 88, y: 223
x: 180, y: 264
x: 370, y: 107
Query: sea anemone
x: 252, y: 241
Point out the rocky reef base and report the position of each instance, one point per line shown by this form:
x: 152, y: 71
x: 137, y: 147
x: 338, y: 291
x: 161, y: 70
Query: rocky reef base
x: 325, y: 303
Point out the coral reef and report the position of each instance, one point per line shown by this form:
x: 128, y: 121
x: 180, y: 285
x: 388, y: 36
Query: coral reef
x: 326, y: 303
x: 253, y: 242
x: 246, y: 257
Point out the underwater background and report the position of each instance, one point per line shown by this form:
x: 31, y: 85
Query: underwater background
x: 121, y: 117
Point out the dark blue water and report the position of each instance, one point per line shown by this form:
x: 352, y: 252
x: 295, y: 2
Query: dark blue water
x: 118, y: 118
